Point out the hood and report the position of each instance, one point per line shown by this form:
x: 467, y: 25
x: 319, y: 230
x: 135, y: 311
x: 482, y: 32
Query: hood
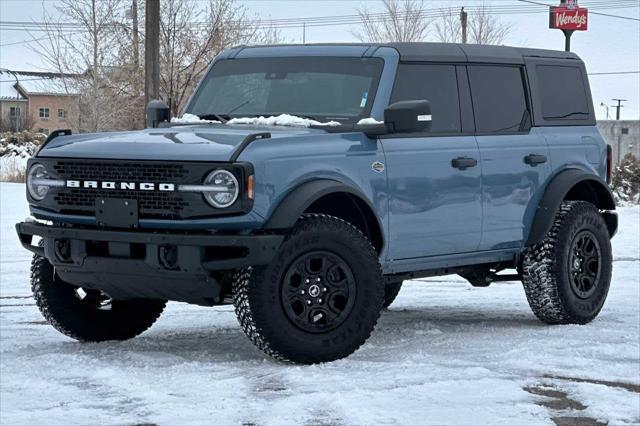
x: 181, y: 143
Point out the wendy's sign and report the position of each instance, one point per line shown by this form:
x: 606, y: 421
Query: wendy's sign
x: 568, y: 16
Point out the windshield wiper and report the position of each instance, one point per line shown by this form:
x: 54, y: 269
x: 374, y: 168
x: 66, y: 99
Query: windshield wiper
x: 234, y: 109
x: 222, y: 118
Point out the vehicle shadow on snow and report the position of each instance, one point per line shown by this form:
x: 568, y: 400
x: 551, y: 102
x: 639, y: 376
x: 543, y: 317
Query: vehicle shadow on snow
x: 447, y: 316
x: 229, y: 344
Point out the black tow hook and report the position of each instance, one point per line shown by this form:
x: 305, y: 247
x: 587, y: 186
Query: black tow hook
x: 62, y: 250
x: 168, y: 257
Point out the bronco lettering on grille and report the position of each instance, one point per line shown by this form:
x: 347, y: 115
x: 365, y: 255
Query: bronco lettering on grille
x: 140, y: 186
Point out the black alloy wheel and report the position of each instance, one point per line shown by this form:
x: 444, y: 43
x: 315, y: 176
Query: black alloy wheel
x: 318, y: 291
x: 584, y: 264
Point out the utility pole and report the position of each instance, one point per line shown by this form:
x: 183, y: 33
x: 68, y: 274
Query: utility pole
x: 136, y: 52
x: 136, y: 36
x: 463, y: 25
x: 617, y: 107
x: 152, y: 50
x: 304, y: 33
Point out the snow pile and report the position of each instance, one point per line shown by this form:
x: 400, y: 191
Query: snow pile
x: 191, y: 119
x: 369, y: 120
x: 281, y: 120
x: 15, y: 150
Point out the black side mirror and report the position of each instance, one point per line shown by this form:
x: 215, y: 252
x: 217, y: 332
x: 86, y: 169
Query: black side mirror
x: 156, y: 113
x: 408, y: 116
x: 401, y: 117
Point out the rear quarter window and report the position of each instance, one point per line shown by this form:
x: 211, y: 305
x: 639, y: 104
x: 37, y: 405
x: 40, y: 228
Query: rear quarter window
x: 562, y: 93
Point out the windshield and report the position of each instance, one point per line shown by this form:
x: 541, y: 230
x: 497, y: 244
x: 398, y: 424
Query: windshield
x: 321, y: 88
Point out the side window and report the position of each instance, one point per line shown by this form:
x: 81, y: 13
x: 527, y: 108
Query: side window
x: 562, y: 93
x: 499, y: 101
x: 435, y: 83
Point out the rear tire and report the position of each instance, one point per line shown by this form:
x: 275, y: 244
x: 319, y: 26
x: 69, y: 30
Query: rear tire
x: 391, y: 291
x: 319, y: 299
x: 566, y: 277
x: 88, y: 315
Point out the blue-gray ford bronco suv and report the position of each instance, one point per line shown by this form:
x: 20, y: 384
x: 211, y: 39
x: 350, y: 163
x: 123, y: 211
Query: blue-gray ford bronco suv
x: 305, y: 183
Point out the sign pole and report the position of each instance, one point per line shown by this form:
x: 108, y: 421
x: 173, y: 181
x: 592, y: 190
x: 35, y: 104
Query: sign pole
x: 567, y: 40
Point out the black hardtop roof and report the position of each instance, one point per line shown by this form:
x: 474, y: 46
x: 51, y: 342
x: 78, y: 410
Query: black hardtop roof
x: 448, y: 52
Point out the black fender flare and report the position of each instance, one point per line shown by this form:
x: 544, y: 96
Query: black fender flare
x: 557, y: 191
x: 287, y: 212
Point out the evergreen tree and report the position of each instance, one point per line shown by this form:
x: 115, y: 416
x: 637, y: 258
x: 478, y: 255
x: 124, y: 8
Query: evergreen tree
x: 625, y: 182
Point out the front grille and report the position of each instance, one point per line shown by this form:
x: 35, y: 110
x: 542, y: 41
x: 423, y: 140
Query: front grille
x: 134, y: 172
x: 149, y: 203
x: 152, y: 204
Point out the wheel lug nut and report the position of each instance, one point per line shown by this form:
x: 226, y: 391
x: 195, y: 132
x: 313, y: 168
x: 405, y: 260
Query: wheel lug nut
x: 318, y: 279
x: 307, y: 281
x: 324, y: 289
x: 308, y: 302
x: 301, y: 291
x: 319, y: 300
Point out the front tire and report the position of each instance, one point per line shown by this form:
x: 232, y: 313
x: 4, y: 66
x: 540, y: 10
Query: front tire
x: 320, y: 298
x: 88, y: 315
x: 566, y: 277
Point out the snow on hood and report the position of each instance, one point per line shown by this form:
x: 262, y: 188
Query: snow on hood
x: 191, y: 118
x: 369, y: 120
x: 280, y: 120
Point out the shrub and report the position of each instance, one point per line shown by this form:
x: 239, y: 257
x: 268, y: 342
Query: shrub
x: 625, y: 182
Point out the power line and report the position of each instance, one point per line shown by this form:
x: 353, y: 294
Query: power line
x: 591, y: 12
x: 325, y: 21
x: 614, y: 73
x: 345, y: 19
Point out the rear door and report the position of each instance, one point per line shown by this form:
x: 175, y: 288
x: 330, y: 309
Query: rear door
x: 515, y: 158
x: 434, y: 178
x: 563, y: 110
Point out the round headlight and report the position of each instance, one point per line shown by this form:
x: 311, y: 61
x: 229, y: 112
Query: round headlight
x: 37, y: 174
x: 223, y: 188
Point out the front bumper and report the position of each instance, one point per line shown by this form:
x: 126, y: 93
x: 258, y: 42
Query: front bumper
x: 139, y: 264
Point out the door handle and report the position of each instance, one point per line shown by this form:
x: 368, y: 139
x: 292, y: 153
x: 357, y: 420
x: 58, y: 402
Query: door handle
x: 535, y: 159
x: 463, y: 163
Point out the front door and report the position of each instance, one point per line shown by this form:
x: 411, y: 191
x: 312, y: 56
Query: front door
x: 434, y: 179
x: 434, y: 195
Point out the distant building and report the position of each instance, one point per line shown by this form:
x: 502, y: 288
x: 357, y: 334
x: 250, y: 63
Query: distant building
x: 38, y: 101
x: 623, y: 136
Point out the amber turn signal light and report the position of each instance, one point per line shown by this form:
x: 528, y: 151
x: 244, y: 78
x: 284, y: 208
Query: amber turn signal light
x: 250, y: 189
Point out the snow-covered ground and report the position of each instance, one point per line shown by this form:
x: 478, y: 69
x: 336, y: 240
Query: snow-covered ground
x: 445, y: 353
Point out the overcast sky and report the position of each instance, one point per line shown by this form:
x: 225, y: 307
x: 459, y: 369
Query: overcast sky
x: 610, y: 44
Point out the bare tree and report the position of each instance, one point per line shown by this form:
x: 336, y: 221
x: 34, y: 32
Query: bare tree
x: 401, y: 21
x: 84, y: 40
x: 447, y: 27
x: 483, y: 27
x: 102, y: 40
x: 190, y: 37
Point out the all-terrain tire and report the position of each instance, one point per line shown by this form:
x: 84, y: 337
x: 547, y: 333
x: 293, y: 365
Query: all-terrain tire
x: 551, y: 268
x: 265, y: 317
x: 391, y: 291
x: 61, y: 306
